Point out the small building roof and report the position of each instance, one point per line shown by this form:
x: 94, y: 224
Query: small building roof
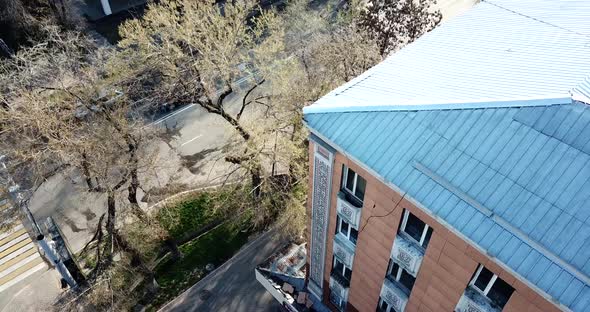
x: 485, y: 122
x: 499, y: 51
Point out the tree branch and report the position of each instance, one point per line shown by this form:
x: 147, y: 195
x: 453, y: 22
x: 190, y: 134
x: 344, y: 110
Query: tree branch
x: 244, y: 103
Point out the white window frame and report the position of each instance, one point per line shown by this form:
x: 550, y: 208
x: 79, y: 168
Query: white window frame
x: 405, y: 222
x: 398, y: 276
x: 345, y: 182
x: 389, y: 307
x: 488, y: 286
x: 344, y: 267
x: 339, y: 226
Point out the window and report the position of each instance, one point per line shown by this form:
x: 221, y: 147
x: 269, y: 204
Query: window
x: 491, y: 286
x: 398, y: 274
x: 383, y: 306
x: 342, y: 270
x: 346, y: 229
x: 337, y: 301
x: 416, y: 228
x: 353, y: 183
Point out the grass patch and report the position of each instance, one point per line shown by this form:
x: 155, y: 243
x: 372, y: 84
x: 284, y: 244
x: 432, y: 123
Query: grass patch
x: 216, y: 246
x: 192, y: 214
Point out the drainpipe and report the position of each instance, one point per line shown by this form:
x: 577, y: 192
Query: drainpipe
x: 106, y: 7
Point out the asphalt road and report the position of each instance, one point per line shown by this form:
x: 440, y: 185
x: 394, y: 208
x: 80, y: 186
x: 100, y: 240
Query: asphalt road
x: 233, y: 286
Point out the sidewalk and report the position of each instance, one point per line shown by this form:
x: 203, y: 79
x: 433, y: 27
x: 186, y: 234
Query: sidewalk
x: 35, y: 293
x: 233, y: 286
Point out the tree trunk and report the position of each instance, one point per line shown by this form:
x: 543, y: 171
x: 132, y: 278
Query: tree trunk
x: 255, y: 171
x: 86, y: 172
x: 132, y: 197
x: 172, y: 246
x: 297, y: 126
x: 256, y: 174
x: 110, y: 225
x: 137, y: 262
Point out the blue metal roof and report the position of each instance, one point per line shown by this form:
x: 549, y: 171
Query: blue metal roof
x: 500, y: 50
x: 483, y: 122
x: 529, y: 166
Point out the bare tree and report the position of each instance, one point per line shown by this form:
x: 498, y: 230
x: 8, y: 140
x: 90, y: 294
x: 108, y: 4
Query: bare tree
x: 194, y: 51
x: 395, y: 23
x: 24, y: 22
x: 62, y: 111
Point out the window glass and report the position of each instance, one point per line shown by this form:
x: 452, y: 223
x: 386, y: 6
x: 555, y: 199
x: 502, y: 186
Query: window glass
x: 338, y: 266
x: 361, y: 184
x: 350, y: 180
x: 344, y: 227
x: 347, y: 273
x: 383, y: 306
x: 353, y: 235
x: 414, y: 227
x: 500, y: 292
x: 394, y: 267
x: 483, y: 279
x: 407, y: 280
x: 427, y: 238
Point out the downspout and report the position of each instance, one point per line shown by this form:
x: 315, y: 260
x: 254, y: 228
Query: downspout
x: 106, y: 7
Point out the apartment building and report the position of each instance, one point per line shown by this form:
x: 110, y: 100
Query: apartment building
x: 455, y: 175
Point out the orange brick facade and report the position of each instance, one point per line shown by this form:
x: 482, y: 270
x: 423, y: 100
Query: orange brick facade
x: 448, y: 265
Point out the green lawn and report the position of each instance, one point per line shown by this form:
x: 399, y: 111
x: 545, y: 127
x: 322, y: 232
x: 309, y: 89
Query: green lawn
x: 192, y: 214
x: 216, y: 246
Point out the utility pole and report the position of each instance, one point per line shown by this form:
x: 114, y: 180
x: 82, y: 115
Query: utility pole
x: 48, y: 246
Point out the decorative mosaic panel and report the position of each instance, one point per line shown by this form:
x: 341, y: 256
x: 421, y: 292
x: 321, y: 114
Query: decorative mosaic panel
x: 473, y: 301
x: 393, y: 295
x: 407, y: 254
x: 347, y: 211
x: 342, y: 250
x: 322, y: 175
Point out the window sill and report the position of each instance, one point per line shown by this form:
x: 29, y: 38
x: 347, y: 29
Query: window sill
x: 412, y: 241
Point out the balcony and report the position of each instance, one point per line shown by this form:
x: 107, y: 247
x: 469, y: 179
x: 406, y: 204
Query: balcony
x: 349, y: 208
x: 407, y: 253
x: 343, y: 249
x: 474, y: 301
x: 394, y: 295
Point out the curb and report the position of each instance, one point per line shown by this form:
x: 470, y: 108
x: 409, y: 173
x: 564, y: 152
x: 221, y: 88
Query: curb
x: 177, y: 195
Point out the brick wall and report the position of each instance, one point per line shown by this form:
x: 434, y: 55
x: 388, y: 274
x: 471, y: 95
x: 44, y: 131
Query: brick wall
x: 448, y: 264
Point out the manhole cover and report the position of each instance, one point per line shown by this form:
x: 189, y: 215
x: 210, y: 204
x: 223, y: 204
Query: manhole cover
x: 204, y: 294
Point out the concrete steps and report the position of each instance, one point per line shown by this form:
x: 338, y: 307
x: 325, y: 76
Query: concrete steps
x: 19, y: 257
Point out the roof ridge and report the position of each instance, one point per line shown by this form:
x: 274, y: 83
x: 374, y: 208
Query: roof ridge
x: 337, y: 107
x: 534, y: 18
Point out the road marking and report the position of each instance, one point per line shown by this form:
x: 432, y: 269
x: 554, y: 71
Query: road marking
x: 172, y: 114
x: 187, y: 142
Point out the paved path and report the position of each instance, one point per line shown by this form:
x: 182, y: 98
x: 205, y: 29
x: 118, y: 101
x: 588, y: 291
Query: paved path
x: 233, y: 286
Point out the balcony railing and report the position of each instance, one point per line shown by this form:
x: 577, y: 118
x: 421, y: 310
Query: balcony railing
x: 407, y: 253
x: 394, y: 295
x: 343, y: 249
x: 474, y: 301
x: 348, y: 210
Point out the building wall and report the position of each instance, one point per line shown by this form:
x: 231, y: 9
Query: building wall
x: 447, y: 267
